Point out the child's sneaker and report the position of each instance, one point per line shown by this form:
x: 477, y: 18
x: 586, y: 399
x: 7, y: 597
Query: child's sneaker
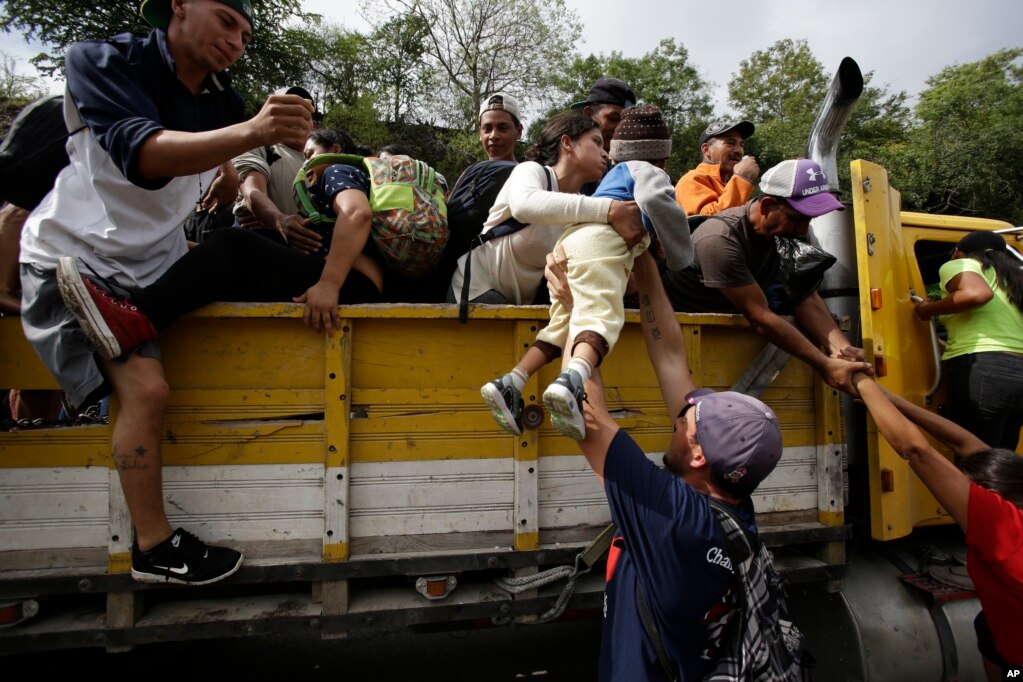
x: 185, y: 559
x: 114, y: 326
x: 505, y: 402
x: 564, y: 400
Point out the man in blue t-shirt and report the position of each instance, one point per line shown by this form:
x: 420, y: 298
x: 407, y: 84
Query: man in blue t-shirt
x: 670, y: 542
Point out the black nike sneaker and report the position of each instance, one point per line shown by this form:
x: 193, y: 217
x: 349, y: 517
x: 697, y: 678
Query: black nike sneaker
x: 185, y: 559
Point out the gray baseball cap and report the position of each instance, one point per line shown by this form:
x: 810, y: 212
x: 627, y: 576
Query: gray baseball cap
x: 739, y: 435
x: 744, y: 128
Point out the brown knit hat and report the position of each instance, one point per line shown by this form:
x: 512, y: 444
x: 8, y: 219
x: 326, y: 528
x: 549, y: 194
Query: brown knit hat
x: 642, y: 135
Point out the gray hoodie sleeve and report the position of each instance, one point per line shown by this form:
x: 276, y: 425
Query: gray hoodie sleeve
x: 656, y: 198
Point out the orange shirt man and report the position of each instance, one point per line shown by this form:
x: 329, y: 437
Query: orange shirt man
x: 726, y: 177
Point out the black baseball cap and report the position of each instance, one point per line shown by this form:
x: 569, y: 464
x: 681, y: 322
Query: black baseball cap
x: 157, y: 13
x: 716, y: 128
x: 304, y: 94
x: 609, y: 91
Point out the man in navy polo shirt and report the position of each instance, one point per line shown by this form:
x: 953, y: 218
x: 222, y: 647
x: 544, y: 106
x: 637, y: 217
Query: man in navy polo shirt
x: 151, y: 120
x: 670, y: 541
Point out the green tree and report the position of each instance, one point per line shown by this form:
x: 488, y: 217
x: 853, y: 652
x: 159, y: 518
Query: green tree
x: 336, y: 67
x: 271, y: 60
x: 487, y: 46
x: 397, y: 61
x: 962, y: 157
x: 664, y: 77
x: 14, y: 85
x: 781, y: 89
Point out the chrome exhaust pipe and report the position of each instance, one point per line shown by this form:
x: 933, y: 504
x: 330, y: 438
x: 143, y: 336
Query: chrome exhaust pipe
x: 843, y: 93
x: 834, y: 232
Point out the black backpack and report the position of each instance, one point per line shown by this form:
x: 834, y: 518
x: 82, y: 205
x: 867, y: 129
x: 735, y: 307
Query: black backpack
x: 33, y: 153
x: 470, y: 202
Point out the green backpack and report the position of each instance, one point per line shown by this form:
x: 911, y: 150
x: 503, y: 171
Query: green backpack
x: 410, y: 218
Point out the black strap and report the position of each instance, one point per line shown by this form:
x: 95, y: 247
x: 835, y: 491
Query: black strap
x: 736, y: 552
x: 509, y: 226
x: 653, y: 633
x: 271, y: 155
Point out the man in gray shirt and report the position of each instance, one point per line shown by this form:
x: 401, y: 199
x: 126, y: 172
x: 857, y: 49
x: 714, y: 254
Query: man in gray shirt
x: 736, y: 263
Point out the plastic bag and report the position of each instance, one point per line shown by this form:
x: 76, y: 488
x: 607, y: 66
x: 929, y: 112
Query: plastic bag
x: 801, y: 269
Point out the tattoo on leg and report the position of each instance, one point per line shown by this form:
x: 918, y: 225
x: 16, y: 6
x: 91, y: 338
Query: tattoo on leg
x: 133, y: 460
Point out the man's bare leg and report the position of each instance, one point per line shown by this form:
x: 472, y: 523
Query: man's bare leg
x: 160, y: 555
x: 142, y: 391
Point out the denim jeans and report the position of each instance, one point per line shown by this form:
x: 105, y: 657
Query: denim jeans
x: 986, y: 396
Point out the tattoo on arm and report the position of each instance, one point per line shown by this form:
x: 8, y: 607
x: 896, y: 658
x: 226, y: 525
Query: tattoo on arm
x: 651, y: 318
x: 131, y: 460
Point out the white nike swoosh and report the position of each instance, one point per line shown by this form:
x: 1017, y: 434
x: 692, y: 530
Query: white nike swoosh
x: 179, y: 571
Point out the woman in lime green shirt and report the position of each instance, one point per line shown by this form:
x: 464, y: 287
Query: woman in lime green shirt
x: 983, y: 312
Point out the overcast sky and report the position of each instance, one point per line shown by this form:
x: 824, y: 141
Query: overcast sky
x: 903, y: 41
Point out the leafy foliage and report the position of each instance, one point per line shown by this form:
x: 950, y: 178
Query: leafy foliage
x: 14, y: 85
x: 664, y: 77
x: 487, y: 46
x: 781, y: 89
x: 398, y: 66
x: 962, y: 157
x: 270, y: 61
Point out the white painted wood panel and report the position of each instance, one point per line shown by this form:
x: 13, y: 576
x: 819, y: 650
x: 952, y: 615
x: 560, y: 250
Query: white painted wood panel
x: 253, y: 502
x: 439, y: 496
x: 570, y: 494
x: 66, y: 507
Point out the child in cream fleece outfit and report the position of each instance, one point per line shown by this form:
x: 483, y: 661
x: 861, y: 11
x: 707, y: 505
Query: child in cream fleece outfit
x: 599, y: 263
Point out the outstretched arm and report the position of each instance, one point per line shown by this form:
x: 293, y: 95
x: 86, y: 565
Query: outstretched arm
x: 961, y: 442
x: 949, y: 485
x: 816, y: 319
x: 656, y: 198
x: 663, y: 336
x: 752, y: 303
x: 600, y: 426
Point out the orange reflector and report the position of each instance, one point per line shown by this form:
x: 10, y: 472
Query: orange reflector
x: 10, y: 613
x: 880, y: 366
x: 875, y: 299
x: 887, y: 481
x: 436, y: 587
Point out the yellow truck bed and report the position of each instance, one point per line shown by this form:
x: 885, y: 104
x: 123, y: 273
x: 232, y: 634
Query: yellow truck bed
x: 342, y: 462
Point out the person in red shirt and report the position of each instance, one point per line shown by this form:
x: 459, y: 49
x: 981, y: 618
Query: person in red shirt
x: 985, y: 497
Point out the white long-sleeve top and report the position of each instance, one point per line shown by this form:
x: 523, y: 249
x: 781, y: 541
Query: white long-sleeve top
x: 513, y: 265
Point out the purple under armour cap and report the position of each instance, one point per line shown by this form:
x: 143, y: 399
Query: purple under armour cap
x: 803, y: 184
x: 739, y: 435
